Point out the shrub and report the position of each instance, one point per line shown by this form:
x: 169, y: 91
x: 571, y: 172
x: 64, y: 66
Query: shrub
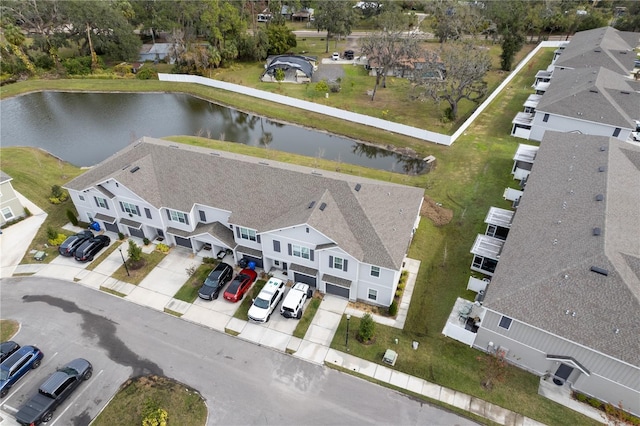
x: 72, y: 217
x: 135, y: 252
x: 367, y: 328
x: 393, y: 308
x: 145, y: 241
x: 120, y: 236
x: 146, y: 73
x: 27, y: 212
x: 123, y: 69
x: 58, y: 195
x: 322, y: 86
x: 581, y: 397
x: 59, y: 239
x: 398, y: 293
x: 52, y: 234
x: 162, y: 248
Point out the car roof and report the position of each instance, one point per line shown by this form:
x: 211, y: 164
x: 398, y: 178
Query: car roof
x: 271, y: 286
x: 16, y: 356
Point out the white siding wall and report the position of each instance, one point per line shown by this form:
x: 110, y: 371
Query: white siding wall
x: 84, y: 207
x: 295, y: 235
x: 385, y: 285
x: 212, y: 214
x: 352, y: 272
x: 569, y: 124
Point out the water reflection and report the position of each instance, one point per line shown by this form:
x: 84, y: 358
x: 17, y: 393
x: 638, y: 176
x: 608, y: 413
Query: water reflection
x: 86, y: 128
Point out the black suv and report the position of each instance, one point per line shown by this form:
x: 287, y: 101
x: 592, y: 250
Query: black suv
x: 90, y: 248
x: 216, y: 280
x: 70, y: 245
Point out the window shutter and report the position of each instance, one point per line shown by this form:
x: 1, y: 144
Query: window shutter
x: 238, y: 231
x: 289, y: 248
x: 122, y: 208
x: 147, y: 212
x: 330, y: 261
x: 276, y: 246
x: 344, y: 265
x: 258, y: 239
x: 97, y: 203
x: 311, y: 255
x: 203, y: 216
x: 137, y: 211
x: 186, y: 219
x: 106, y: 204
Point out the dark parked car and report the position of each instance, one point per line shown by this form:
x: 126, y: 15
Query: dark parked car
x: 348, y: 54
x: 90, y: 248
x: 69, y: 246
x: 215, y: 281
x: 17, y: 365
x: 7, y: 348
x: 40, y: 407
x: 240, y: 285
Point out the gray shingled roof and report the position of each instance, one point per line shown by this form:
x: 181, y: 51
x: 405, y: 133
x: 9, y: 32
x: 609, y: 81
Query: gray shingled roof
x: 373, y: 224
x: 592, y: 94
x: 601, y: 47
x: 545, y: 265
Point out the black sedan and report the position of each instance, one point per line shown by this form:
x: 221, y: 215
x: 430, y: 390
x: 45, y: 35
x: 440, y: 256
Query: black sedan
x: 7, y: 348
x: 88, y: 249
x: 69, y: 246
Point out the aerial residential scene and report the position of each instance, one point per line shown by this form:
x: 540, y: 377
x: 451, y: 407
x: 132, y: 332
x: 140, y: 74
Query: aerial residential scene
x: 323, y: 212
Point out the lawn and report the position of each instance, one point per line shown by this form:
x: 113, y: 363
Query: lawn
x: 189, y: 290
x: 139, y: 396
x: 135, y: 276
x: 8, y: 328
x: 307, y: 317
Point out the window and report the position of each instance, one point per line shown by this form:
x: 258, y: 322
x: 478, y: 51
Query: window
x: 203, y: 216
x: 299, y: 251
x: 247, y: 234
x: 7, y: 213
x: 338, y: 263
x: 147, y: 212
x: 276, y: 246
x: 102, y: 203
x: 129, y: 208
x: 178, y: 216
x: 505, y: 322
x: 373, y: 294
x: 545, y: 118
x: 616, y: 132
x: 375, y: 271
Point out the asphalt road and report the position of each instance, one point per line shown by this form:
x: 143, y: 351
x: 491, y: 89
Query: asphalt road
x: 242, y: 383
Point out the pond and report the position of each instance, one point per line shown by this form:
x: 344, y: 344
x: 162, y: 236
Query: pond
x: 86, y: 128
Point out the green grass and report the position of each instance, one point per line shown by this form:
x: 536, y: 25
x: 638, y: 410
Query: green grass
x: 135, y: 276
x: 172, y: 312
x: 110, y: 291
x: 8, y: 329
x: 189, y: 290
x: 307, y: 317
x: 243, y: 310
x: 184, y: 405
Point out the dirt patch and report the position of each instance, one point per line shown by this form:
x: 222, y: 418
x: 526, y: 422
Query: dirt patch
x: 435, y: 212
x: 368, y: 308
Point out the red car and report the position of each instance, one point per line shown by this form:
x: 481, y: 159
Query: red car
x: 240, y: 284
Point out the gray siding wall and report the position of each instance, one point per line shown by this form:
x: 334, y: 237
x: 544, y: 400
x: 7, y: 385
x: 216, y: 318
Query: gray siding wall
x: 529, y: 346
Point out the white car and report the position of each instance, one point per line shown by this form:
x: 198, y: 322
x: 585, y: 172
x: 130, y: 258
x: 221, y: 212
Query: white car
x: 267, y: 300
x: 335, y: 56
x: 293, y: 304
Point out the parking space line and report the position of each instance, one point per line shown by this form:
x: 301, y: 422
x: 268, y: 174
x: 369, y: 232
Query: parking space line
x: 9, y: 408
x: 84, y: 388
x: 24, y: 382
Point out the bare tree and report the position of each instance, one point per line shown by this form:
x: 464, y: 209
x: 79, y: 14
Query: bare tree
x: 390, y: 45
x: 457, y: 72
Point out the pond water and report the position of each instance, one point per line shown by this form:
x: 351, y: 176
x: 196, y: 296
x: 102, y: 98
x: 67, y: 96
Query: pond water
x: 86, y: 128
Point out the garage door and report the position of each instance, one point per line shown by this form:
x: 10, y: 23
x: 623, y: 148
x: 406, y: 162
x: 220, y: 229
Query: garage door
x: 337, y: 290
x: 111, y: 227
x: 136, y: 232
x: 184, y: 242
x: 302, y: 278
x: 253, y: 259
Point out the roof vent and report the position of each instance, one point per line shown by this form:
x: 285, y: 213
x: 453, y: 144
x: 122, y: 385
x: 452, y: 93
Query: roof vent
x: 311, y: 204
x: 593, y: 91
x: 624, y: 92
x: 215, y: 154
x: 358, y: 186
x: 599, y: 270
x: 603, y: 148
x: 599, y: 197
x: 596, y: 231
x: 597, y: 50
x: 323, y: 206
x: 135, y: 169
x: 602, y: 169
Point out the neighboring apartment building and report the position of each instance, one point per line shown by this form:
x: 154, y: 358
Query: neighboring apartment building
x: 589, y: 89
x: 10, y: 205
x: 342, y: 234
x: 564, y: 299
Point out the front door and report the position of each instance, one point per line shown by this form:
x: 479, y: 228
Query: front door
x: 562, y: 374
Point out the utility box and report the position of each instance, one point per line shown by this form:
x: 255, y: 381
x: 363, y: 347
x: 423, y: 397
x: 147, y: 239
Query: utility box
x: 390, y: 357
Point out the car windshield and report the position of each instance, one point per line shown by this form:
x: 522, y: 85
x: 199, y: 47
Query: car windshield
x: 261, y: 303
x: 211, y: 283
x: 233, y: 287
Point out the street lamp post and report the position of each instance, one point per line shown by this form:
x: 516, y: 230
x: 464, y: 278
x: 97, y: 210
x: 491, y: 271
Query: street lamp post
x: 124, y: 263
x: 347, y: 338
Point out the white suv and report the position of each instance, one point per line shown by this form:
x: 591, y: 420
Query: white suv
x: 293, y: 304
x: 267, y: 300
